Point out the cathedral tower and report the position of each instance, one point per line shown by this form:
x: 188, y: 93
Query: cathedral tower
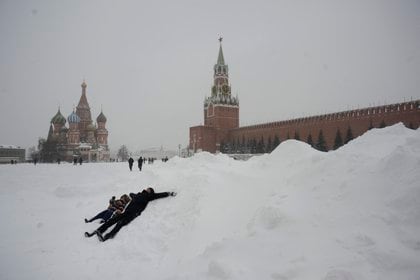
x: 74, y: 132
x: 83, y: 111
x: 58, y: 122
x: 102, y: 132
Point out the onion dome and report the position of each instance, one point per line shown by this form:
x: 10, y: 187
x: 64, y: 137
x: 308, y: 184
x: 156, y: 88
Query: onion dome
x: 101, y: 118
x: 58, y: 118
x: 73, y: 118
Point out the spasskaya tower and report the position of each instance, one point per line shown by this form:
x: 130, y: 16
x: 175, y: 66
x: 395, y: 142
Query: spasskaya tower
x: 221, y: 111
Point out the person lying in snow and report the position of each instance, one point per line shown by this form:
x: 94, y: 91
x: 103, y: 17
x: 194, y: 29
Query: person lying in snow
x: 115, y: 208
x: 133, y: 209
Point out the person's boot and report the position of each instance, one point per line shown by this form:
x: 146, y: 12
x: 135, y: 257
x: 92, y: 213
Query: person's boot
x: 100, y: 237
x: 87, y: 234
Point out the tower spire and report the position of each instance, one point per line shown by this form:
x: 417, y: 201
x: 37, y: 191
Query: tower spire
x: 83, y: 103
x: 220, y: 58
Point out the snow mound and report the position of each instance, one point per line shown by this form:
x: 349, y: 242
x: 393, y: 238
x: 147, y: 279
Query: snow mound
x: 297, y: 213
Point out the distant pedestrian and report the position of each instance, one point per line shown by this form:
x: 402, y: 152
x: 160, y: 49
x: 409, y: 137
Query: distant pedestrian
x: 80, y: 160
x: 140, y: 163
x: 58, y: 160
x: 74, y: 160
x: 130, y: 163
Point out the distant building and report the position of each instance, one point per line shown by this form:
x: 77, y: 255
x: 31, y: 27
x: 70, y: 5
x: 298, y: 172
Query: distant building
x: 9, y: 153
x: 221, y: 131
x: 82, y: 138
x: 157, y: 153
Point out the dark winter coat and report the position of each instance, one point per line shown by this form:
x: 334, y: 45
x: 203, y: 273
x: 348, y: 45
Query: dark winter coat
x: 139, y: 202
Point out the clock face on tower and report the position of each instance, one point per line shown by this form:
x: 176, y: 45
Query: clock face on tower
x: 225, y: 89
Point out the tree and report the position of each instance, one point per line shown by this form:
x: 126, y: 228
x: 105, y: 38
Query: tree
x: 349, y: 135
x: 269, y: 147
x: 33, y: 153
x: 383, y: 124
x: 410, y: 125
x: 222, y: 147
x: 276, y: 141
x: 243, y: 146
x: 321, y: 144
x: 309, y: 140
x: 338, y: 142
x: 123, y: 153
x: 253, y: 146
x: 238, y: 146
x: 261, y: 146
x: 370, y: 125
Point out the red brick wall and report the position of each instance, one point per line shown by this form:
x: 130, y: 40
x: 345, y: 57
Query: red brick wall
x: 203, y: 138
x: 359, y: 121
x: 222, y: 116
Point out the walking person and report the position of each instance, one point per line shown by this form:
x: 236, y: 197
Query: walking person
x: 137, y: 204
x: 130, y: 163
x: 140, y: 163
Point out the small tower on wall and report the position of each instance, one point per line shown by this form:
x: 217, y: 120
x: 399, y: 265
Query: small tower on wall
x: 83, y: 111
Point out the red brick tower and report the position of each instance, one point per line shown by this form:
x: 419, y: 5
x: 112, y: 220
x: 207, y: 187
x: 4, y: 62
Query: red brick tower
x: 221, y: 111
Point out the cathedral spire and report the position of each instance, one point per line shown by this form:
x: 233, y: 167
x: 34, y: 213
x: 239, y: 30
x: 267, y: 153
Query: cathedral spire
x: 220, y: 58
x: 83, y: 103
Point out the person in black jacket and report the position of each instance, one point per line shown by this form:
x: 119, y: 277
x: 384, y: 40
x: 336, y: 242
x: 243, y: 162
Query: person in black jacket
x: 130, y: 163
x: 133, y: 209
x: 140, y: 163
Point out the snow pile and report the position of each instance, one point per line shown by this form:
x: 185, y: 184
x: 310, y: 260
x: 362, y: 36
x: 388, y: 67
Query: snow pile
x: 294, y: 214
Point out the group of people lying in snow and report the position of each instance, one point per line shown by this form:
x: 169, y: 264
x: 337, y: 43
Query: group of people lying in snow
x: 121, y: 212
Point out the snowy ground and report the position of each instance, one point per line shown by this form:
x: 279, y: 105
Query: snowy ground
x: 295, y: 214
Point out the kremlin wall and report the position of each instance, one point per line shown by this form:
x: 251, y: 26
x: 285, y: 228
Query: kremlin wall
x: 221, y: 131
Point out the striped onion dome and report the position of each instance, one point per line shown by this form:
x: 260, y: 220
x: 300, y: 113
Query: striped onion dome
x: 58, y: 118
x: 101, y: 118
x: 73, y: 118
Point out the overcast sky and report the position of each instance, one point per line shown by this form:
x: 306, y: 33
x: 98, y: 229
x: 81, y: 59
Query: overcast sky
x: 149, y: 64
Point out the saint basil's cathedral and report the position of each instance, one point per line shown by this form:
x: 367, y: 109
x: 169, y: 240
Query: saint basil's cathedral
x: 82, y: 138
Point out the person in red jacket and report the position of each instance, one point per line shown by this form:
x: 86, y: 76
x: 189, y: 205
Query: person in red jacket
x: 133, y: 209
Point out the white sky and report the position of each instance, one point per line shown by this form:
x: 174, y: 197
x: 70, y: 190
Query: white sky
x: 149, y: 63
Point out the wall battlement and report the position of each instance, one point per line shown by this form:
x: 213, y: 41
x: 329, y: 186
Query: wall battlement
x: 371, y: 112
x: 358, y: 121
